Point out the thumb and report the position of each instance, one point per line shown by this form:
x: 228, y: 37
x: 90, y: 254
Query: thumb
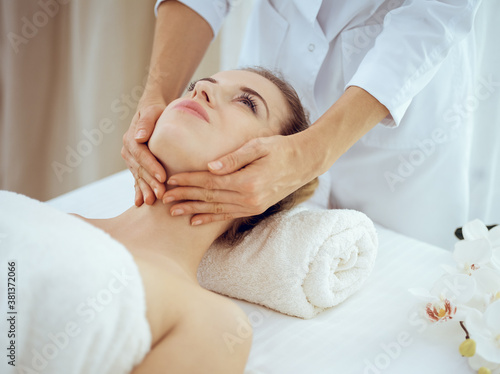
x: 238, y: 159
x: 146, y: 122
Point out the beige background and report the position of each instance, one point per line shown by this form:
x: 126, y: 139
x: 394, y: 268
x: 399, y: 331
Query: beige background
x: 71, y: 73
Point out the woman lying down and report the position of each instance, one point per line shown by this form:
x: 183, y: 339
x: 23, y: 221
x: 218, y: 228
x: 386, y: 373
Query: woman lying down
x: 121, y: 295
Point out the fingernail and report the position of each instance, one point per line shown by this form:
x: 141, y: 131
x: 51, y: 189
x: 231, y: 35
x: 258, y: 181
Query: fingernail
x: 168, y: 199
x: 156, y: 191
x: 172, y: 182
x: 197, y: 222
x: 140, y: 134
x: 177, y: 212
x: 215, y: 165
x: 157, y: 176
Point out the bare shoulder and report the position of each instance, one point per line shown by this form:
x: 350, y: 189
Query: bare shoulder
x: 213, y: 336
x: 228, y: 320
x: 220, y: 328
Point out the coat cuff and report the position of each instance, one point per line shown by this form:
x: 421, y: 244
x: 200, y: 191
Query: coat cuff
x: 213, y: 11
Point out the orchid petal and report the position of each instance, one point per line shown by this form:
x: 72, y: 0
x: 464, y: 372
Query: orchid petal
x: 457, y: 287
x: 495, y: 258
x: 476, y: 362
x: 472, y: 252
x: 492, y: 318
x: 462, y: 312
x: 487, y: 346
x: 449, y: 269
x: 474, y: 230
x: 487, y: 280
x: 474, y: 321
x: 494, y: 236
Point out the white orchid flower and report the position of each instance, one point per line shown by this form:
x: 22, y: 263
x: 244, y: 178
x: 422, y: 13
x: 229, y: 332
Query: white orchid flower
x: 470, y: 292
x: 447, y: 298
x: 476, y: 362
x: 485, y: 330
x: 477, y: 230
x: 488, y: 288
x: 472, y: 255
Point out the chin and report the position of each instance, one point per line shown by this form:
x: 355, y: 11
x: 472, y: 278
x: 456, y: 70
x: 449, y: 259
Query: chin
x: 175, y: 157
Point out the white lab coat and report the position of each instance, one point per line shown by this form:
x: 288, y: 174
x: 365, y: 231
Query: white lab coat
x: 415, y: 172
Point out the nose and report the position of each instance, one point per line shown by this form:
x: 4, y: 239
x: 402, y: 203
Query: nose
x: 204, y: 91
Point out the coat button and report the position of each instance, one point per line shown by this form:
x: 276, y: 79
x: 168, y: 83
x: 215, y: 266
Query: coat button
x: 311, y: 47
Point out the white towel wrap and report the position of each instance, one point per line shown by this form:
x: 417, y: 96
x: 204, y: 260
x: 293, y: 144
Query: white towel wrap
x: 80, y: 301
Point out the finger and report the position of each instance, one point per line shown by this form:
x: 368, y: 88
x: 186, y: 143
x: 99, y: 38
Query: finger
x: 202, y: 219
x: 146, y: 121
x: 139, y: 200
x: 158, y: 188
x: 243, y: 156
x: 200, y: 194
x: 129, y: 160
x: 150, y: 165
x: 205, y: 179
x: 200, y: 207
x: 147, y: 192
x: 140, y: 173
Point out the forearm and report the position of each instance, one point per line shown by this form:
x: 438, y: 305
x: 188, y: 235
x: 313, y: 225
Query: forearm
x: 354, y: 114
x: 181, y: 39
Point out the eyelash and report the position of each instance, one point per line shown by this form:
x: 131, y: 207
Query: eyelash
x: 250, y: 101
x: 244, y: 97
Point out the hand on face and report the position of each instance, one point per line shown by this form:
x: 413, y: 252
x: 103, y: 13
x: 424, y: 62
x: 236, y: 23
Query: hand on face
x: 254, y: 167
x: 148, y: 172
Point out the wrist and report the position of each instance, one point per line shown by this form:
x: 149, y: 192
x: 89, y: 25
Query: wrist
x: 150, y: 97
x: 162, y: 87
x: 310, y: 150
x: 354, y: 114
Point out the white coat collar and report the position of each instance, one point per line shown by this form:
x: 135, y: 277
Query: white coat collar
x: 309, y: 8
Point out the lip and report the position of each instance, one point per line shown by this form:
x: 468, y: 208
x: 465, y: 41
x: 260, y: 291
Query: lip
x: 191, y: 106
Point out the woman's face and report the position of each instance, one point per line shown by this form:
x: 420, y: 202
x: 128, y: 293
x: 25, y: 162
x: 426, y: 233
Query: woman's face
x: 217, y: 116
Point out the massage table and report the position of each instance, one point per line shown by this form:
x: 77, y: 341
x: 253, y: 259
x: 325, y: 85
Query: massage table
x: 375, y: 331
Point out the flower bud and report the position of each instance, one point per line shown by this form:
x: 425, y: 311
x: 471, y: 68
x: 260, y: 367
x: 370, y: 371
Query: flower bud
x: 467, y: 348
x: 483, y: 370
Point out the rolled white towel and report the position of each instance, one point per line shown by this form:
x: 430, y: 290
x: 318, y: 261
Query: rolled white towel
x: 298, y: 262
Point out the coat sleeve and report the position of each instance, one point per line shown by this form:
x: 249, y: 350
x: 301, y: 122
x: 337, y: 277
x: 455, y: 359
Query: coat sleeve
x: 415, y: 39
x: 213, y: 11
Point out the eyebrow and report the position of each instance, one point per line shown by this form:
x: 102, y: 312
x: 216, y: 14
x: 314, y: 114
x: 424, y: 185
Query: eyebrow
x: 247, y: 90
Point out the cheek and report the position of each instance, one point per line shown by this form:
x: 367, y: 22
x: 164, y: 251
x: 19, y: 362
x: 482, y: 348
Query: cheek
x: 238, y: 129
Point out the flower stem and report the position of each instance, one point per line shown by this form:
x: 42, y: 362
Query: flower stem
x: 466, y: 332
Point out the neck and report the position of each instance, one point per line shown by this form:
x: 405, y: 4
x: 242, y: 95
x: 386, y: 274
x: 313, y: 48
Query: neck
x: 150, y: 229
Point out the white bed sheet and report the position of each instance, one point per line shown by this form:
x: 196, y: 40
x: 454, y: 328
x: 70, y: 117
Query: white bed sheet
x: 372, y: 332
